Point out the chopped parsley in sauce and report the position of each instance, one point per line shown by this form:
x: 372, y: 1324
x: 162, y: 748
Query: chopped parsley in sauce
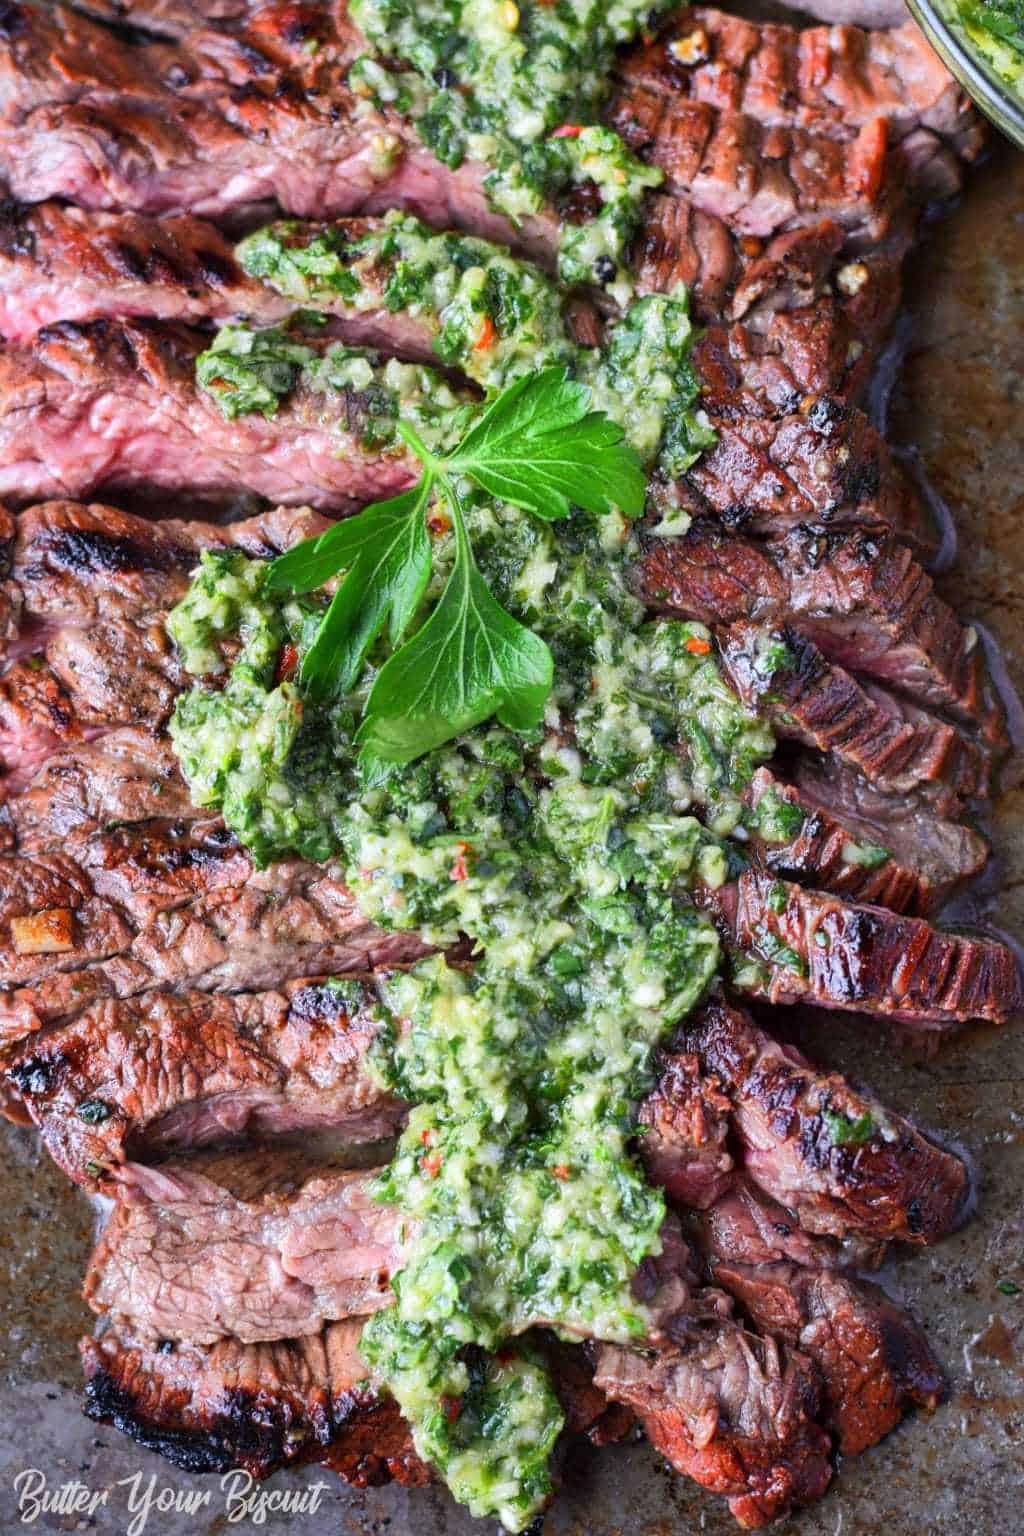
x: 567, y: 854
x: 519, y: 88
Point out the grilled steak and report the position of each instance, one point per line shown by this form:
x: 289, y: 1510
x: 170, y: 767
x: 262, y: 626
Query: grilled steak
x: 826, y: 1152
x: 139, y: 381
x: 859, y: 596
x: 253, y: 1247
x: 155, y: 1074
x: 731, y: 1410
x: 257, y: 1406
x: 841, y: 835
x: 873, y: 1360
x: 893, y: 743
x: 805, y: 946
x: 834, y: 79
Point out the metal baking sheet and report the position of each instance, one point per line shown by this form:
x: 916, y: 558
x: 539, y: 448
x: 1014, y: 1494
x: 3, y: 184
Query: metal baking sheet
x: 957, y: 410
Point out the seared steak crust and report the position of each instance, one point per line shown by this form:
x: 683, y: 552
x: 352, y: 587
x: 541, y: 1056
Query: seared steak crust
x: 257, y: 1406
x: 858, y: 594
x: 806, y: 946
x: 873, y: 1360
x: 863, y: 846
x: 731, y: 1410
x: 834, y: 79
x: 154, y: 1074
x: 884, y: 1181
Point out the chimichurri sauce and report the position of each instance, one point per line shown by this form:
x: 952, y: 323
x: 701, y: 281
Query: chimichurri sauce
x: 996, y: 27
x: 567, y: 855
x: 519, y: 88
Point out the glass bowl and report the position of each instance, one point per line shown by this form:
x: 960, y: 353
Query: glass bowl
x: 999, y: 99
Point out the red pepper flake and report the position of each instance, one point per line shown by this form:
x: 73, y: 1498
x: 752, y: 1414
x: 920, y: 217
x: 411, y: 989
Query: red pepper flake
x: 488, y: 336
x: 458, y: 870
x: 568, y: 131
x: 432, y: 1165
x: 561, y: 1172
x: 438, y: 522
x: 451, y: 1407
x: 428, y: 1137
x: 286, y: 663
x: 698, y: 647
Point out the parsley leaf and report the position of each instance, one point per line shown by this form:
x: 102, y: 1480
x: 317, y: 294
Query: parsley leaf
x: 469, y: 661
x: 386, y: 552
x: 540, y: 446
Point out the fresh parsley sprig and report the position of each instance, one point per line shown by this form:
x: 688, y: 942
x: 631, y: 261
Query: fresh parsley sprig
x: 538, y: 446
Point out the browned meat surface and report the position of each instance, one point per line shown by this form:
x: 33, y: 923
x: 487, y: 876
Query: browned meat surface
x: 806, y: 946
x: 69, y: 264
x: 873, y: 1360
x: 220, y: 122
x: 155, y: 1074
x: 158, y: 428
x: 245, y: 929
x: 731, y: 1410
x: 834, y: 79
x: 861, y: 844
x: 746, y: 1226
x: 830, y: 1154
x: 893, y: 743
x: 265, y: 1406
x: 859, y: 595
x: 253, y: 1247
x: 91, y: 586
x: 257, y: 1406
x: 685, y: 1127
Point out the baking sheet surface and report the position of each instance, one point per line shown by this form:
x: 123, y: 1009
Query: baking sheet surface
x: 957, y: 407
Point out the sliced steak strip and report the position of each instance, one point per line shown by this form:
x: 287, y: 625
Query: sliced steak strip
x: 830, y: 831
x: 127, y: 775
x: 757, y: 179
x: 731, y: 1410
x: 92, y: 586
x: 253, y: 932
x: 859, y: 595
x: 745, y: 1226
x: 896, y: 745
x: 60, y: 263
x: 160, y: 431
x: 873, y: 1360
x: 69, y: 264
x: 828, y: 1153
x: 257, y: 1406
x: 808, y: 947
x: 249, y: 1247
x: 834, y: 79
x: 768, y: 472
x: 165, y: 1072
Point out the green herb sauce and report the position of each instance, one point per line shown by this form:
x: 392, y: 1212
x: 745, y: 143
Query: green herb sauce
x: 567, y: 854
x: 996, y: 28
x: 510, y: 85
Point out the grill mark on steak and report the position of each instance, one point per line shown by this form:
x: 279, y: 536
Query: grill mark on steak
x: 858, y: 594
x: 896, y: 745
x: 894, y: 1184
x: 257, y: 1406
x: 846, y: 955
x: 189, y: 1070
x: 834, y: 79
x: 928, y: 857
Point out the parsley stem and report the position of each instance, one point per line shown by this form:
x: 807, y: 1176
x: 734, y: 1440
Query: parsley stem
x: 411, y: 437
